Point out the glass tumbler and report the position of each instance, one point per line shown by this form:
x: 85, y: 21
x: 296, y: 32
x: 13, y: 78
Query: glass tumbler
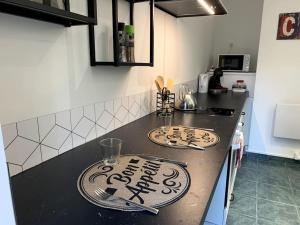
x: 111, y: 148
x: 166, y: 123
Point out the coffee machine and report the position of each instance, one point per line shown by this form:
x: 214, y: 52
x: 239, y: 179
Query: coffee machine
x: 214, y: 84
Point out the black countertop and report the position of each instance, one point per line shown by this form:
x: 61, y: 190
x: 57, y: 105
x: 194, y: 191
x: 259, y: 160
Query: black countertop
x: 47, y: 194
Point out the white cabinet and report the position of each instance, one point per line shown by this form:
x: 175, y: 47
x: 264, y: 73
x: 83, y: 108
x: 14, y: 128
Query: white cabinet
x: 246, y: 117
x: 230, y: 78
x: 215, y: 214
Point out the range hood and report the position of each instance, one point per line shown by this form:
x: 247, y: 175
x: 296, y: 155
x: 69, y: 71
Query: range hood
x: 188, y: 8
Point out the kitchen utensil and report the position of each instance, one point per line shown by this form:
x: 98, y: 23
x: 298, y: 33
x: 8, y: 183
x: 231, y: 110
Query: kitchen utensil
x: 186, y: 100
x: 187, y: 145
x: 150, y: 157
x: 166, y: 122
x: 160, y: 81
x: 158, y: 86
x: 105, y: 196
x: 203, y: 82
x: 111, y: 148
x: 170, y: 84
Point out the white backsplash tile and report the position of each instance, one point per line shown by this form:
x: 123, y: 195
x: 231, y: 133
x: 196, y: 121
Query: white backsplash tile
x: 92, y: 134
x: 29, y: 129
x: 31, y: 142
x: 18, y: 151
x: 76, y: 116
x: 105, y: 119
x: 125, y: 102
x: 56, y: 137
x: 99, y: 109
x: 84, y: 127
x: 100, y: 131
x: 14, y: 169
x: 109, y: 106
x: 89, y: 112
x: 134, y: 107
x: 117, y: 105
x: 34, y: 159
x: 145, y: 103
x: 10, y: 133
x: 46, y: 124
x: 63, y: 119
x: 117, y: 123
x: 122, y: 114
x: 77, y: 140
x: 110, y: 126
x: 48, y: 153
x: 67, y: 145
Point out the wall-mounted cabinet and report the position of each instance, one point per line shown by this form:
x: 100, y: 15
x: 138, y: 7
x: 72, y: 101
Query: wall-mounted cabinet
x: 104, y: 38
x: 40, y: 10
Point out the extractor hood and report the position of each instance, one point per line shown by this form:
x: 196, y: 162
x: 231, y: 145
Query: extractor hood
x: 187, y: 8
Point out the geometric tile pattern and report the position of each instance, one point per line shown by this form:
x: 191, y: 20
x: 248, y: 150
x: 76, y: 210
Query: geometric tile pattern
x: 31, y: 142
x: 267, y: 192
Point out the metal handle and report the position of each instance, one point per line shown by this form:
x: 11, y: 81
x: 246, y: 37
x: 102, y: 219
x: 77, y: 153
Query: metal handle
x: 141, y: 206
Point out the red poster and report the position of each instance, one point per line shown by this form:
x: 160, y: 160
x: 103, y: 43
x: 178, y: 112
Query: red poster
x: 288, y: 26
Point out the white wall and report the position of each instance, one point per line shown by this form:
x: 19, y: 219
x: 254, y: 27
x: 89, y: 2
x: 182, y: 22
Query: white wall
x: 44, y: 68
x: 277, y: 81
x: 239, y: 31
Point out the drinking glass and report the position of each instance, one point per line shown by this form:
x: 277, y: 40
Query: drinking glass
x: 111, y: 148
x: 166, y: 123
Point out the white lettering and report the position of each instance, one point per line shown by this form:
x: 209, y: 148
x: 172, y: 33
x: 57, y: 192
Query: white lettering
x: 285, y: 30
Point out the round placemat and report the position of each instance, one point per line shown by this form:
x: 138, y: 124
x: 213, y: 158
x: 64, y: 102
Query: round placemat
x: 181, y: 136
x: 150, y: 182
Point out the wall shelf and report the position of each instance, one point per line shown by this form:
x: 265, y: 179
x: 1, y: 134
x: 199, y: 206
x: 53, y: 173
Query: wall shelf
x: 115, y: 21
x: 50, y: 14
x: 121, y: 64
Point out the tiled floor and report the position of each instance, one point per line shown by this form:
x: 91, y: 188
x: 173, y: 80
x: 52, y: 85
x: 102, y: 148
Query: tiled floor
x: 267, y: 192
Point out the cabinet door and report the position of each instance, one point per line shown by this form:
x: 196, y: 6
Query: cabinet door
x: 247, y: 111
x: 216, y: 209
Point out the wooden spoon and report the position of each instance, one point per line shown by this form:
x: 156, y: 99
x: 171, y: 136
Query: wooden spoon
x: 158, y: 86
x: 160, y: 81
x: 170, y: 84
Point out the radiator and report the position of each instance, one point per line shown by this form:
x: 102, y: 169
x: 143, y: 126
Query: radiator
x: 287, y: 121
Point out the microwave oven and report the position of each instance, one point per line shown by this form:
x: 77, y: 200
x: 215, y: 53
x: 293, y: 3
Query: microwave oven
x: 234, y: 62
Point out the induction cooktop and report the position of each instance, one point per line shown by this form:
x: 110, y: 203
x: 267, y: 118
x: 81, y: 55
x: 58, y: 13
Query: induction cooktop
x: 214, y: 111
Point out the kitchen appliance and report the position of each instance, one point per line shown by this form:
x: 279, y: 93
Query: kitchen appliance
x: 234, y: 62
x: 184, y: 8
x: 233, y: 164
x: 214, y: 85
x: 186, y: 100
x: 214, y: 111
x: 203, y: 82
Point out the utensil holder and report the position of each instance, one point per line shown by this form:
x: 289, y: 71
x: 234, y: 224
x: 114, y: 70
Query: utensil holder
x: 165, y: 102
